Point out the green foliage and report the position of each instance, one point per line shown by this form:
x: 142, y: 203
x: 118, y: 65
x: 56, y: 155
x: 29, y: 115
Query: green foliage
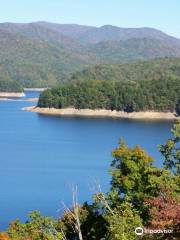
x: 178, y: 108
x: 123, y: 222
x: 163, y: 68
x: 93, y: 224
x: 134, y: 49
x: 171, y: 150
x: 38, y: 227
x: 34, y: 61
x: 135, y: 178
x: 44, y: 54
x: 128, y: 96
x: 7, y: 85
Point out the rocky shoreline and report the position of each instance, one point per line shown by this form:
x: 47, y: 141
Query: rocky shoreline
x: 103, y: 113
x: 35, y: 89
x: 19, y: 100
x: 12, y: 94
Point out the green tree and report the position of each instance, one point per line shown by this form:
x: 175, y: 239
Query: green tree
x: 38, y: 227
x: 135, y: 178
x: 123, y: 222
x: 178, y: 108
x: 171, y: 150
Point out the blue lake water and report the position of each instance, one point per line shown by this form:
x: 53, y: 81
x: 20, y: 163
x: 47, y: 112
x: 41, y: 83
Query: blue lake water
x: 42, y: 156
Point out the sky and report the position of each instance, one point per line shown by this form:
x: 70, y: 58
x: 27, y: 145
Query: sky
x: 160, y: 14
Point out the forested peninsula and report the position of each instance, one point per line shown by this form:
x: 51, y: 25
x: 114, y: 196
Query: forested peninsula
x: 128, y: 96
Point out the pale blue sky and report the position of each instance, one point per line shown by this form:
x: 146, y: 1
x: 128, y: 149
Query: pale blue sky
x: 160, y: 14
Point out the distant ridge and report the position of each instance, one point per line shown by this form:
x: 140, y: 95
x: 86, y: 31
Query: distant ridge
x: 42, y: 54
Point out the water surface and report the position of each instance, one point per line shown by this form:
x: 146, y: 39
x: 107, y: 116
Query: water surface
x: 42, y: 156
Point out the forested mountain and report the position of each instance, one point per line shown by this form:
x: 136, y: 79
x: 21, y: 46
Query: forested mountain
x: 92, y: 35
x: 71, y: 30
x: 34, y: 62
x: 37, y: 31
x: 43, y: 54
x: 111, y: 33
x: 134, y: 49
x: 163, y: 68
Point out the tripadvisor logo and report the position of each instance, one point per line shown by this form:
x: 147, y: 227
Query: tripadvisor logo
x: 139, y: 231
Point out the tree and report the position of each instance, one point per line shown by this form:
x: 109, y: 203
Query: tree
x: 164, y: 212
x: 178, y: 108
x: 128, y: 96
x: 171, y: 150
x: 123, y: 222
x: 93, y: 224
x: 135, y: 178
x: 4, y: 236
x: 121, y: 217
x: 38, y: 227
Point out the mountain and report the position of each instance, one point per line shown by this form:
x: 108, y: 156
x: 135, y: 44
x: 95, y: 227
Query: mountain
x: 155, y: 69
x: 93, y: 35
x: 35, y: 62
x: 70, y: 30
x: 43, y: 54
x: 112, y: 33
x: 134, y: 49
x: 36, y: 31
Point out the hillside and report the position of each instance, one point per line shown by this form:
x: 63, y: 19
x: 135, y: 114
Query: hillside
x: 142, y: 70
x: 42, y: 54
x: 134, y: 49
x: 93, y: 35
x: 8, y: 85
x: 112, y: 33
x: 39, y: 31
x: 73, y: 31
x: 34, y: 62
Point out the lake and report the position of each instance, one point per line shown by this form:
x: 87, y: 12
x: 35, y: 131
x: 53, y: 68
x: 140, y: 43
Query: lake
x: 42, y: 156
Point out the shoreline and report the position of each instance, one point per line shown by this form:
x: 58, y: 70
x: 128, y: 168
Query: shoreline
x: 35, y: 89
x: 12, y: 94
x: 102, y: 113
x: 19, y: 100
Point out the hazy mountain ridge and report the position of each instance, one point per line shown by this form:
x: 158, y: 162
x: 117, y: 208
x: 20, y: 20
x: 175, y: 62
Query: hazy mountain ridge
x: 37, y: 32
x: 43, y: 54
x: 112, y: 33
x: 70, y: 30
x: 92, y: 35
